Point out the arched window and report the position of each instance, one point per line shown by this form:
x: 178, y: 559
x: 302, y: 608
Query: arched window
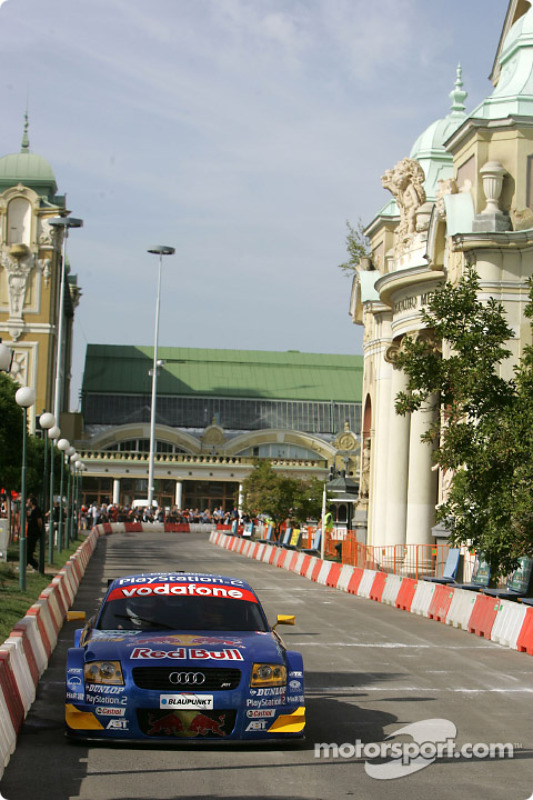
x: 19, y: 222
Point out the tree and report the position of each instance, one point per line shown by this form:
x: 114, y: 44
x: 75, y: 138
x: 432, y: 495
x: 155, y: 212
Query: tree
x: 482, y: 430
x: 11, y: 421
x: 280, y: 496
x: 10, y: 434
x: 357, y: 246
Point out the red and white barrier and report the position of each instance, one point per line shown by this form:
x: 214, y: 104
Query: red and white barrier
x: 505, y: 622
x: 422, y: 598
x: 460, y: 609
x: 508, y: 623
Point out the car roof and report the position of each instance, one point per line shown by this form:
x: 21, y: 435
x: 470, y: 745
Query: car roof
x: 178, y: 576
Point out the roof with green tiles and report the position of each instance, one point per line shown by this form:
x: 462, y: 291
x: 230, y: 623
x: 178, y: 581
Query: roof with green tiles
x: 291, y: 375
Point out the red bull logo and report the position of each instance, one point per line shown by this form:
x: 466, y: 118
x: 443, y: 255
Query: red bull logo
x: 185, y: 724
x: 169, y: 725
x: 202, y: 725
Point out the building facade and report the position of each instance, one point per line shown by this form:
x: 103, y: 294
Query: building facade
x: 217, y: 411
x: 463, y: 196
x: 30, y: 278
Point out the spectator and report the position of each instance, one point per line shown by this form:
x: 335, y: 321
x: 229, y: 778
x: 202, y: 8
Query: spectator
x: 34, y: 528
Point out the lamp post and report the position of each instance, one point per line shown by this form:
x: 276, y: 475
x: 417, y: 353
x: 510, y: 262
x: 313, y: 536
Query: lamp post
x: 160, y: 250
x: 47, y: 421
x: 78, y: 466
x: 25, y: 397
x: 53, y: 434
x: 64, y: 223
x: 62, y: 445
x: 72, y: 458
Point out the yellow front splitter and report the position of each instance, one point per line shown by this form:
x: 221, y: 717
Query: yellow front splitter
x: 289, y: 723
x: 81, y: 720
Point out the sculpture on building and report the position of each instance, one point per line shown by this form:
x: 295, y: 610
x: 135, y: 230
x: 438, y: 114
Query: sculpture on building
x: 405, y: 182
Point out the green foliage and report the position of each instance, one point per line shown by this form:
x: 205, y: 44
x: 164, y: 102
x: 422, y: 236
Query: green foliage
x: 483, y: 431
x: 11, y: 421
x: 10, y: 434
x: 280, y: 496
x: 357, y: 246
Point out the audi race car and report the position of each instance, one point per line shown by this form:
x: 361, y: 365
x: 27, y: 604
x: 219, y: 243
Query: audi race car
x: 182, y: 657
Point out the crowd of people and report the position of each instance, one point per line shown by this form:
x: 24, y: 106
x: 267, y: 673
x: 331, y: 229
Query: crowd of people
x: 99, y: 513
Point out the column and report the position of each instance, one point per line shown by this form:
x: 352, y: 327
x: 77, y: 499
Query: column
x: 179, y: 493
x: 239, y: 506
x: 116, y: 491
x: 423, y: 480
x: 397, y: 464
x: 377, y: 510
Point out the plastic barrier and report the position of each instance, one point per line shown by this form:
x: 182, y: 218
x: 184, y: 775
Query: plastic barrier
x: 345, y: 577
x: 25, y: 682
x: 483, y: 615
x: 460, y: 609
x: 508, y: 623
x: 440, y: 602
x: 324, y: 571
x: 391, y: 590
x: 406, y: 593
x: 366, y: 583
x: 378, y: 586
x: 355, y: 580
x: 311, y: 565
x: 292, y: 560
x: 300, y: 558
x: 422, y: 598
x: 8, y: 733
x: 333, y: 575
x: 524, y: 642
x: 11, y: 693
x: 29, y: 628
x: 46, y: 632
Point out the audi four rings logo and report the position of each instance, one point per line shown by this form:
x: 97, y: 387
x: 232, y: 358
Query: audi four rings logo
x: 190, y: 678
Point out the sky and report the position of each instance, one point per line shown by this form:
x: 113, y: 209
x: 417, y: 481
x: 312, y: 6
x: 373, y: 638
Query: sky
x: 243, y: 133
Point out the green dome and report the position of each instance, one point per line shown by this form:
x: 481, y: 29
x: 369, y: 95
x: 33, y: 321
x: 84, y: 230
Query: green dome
x: 429, y: 149
x: 30, y: 170
x: 27, y: 168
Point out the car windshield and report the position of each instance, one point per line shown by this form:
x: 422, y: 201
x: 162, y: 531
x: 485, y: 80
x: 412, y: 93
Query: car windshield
x: 181, y: 614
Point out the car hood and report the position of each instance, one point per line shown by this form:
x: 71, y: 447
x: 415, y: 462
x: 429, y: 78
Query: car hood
x: 142, y: 648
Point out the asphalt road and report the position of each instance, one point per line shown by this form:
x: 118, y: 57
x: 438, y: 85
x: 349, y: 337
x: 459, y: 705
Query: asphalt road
x: 371, y: 671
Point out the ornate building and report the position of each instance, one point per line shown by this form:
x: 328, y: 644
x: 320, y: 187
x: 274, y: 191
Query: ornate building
x: 30, y: 277
x: 464, y: 195
x: 217, y: 412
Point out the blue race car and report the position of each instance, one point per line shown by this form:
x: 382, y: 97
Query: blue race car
x: 183, y: 657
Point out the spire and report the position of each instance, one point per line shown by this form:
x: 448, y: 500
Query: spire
x: 458, y: 95
x: 25, y: 147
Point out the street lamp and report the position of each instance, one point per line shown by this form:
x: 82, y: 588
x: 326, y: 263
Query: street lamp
x: 53, y: 434
x: 47, y: 421
x: 72, y: 458
x: 160, y: 250
x: 63, y: 445
x: 25, y: 397
x: 64, y: 223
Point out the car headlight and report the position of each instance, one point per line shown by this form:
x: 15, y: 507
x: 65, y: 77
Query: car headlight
x: 103, y: 672
x: 268, y: 675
